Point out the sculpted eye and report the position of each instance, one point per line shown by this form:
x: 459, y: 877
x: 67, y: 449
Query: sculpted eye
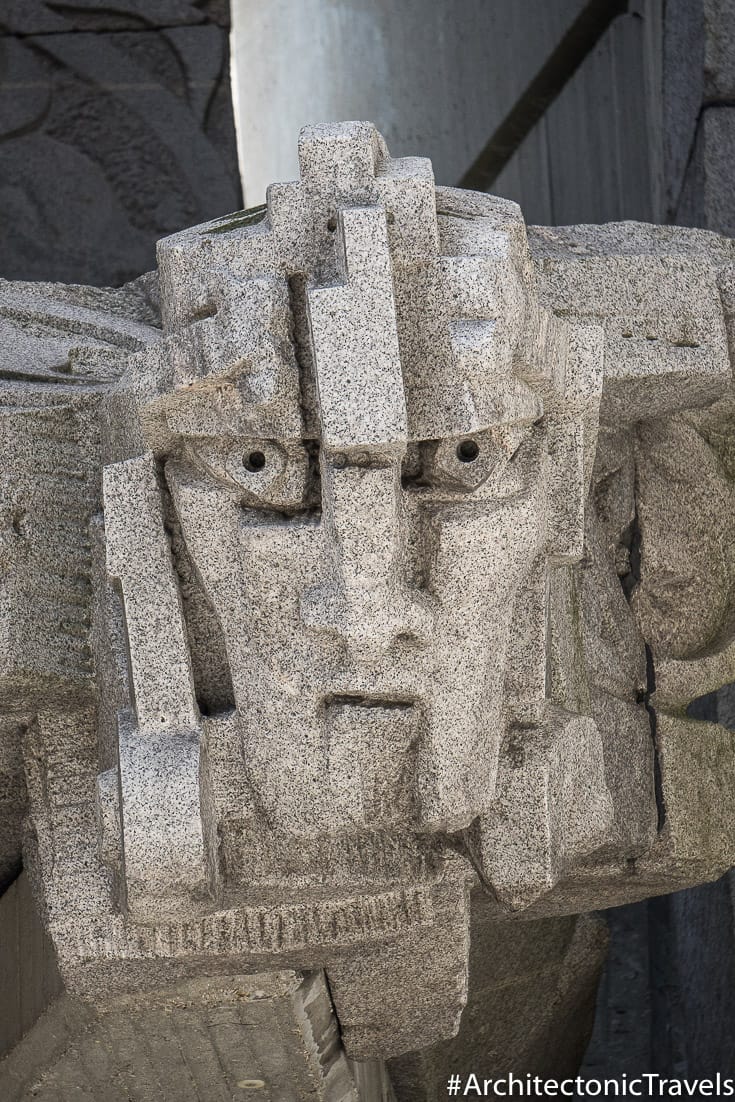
x: 462, y: 464
x: 492, y: 456
x: 260, y: 473
x: 254, y: 461
x: 468, y: 451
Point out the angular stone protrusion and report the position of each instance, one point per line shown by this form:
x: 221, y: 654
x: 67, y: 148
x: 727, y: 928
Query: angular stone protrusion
x: 390, y: 994
x: 139, y: 556
x: 165, y: 864
x: 356, y: 354
x: 696, y: 841
x: 168, y: 873
x: 660, y: 306
x: 573, y: 424
x: 552, y: 808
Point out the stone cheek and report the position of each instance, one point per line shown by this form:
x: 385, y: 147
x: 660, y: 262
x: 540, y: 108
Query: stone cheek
x: 330, y: 601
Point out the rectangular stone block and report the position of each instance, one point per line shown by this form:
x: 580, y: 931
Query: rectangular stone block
x: 358, y: 363
x: 138, y: 554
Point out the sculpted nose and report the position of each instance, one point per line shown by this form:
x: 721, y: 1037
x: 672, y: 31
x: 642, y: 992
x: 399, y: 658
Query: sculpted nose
x: 365, y: 599
x: 363, y: 596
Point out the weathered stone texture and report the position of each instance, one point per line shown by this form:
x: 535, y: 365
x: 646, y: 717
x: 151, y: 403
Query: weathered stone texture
x: 682, y: 92
x: 23, y: 17
x: 201, y: 1041
x: 705, y: 196
x: 719, y: 59
x: 403, y: 470
x: 117, y: 128
x: 666, y: 997
x: 529, y: 1005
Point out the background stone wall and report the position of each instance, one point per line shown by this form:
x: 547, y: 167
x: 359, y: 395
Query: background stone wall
x: 115, y: 129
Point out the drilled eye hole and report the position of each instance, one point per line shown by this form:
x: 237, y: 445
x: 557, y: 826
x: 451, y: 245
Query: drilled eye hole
x: 254, y: 461
x: 468, y: 451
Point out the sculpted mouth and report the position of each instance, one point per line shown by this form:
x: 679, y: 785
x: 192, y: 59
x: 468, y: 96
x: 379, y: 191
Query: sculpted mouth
x: 370, y: 700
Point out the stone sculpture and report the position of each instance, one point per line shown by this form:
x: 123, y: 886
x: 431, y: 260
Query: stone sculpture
x: 379, y: 572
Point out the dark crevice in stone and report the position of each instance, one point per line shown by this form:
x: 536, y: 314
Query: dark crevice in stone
x: 466, y: 843
x: 632, y: 540
x: 645, y: 700
x: 10, y: 875
x: 10, y: 375
x: 561, y: 65
x: 210, y: 664
x: 238, y: 220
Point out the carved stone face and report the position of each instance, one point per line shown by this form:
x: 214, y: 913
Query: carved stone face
x: 366, y: 643
x: 364, y: 536
x: 367, y: 623
x: 374, y: 442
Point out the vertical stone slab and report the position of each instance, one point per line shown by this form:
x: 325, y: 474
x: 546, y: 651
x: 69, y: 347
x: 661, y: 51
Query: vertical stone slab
x: 358, y: 365
x: 138, y: 554
x: 159, y: 754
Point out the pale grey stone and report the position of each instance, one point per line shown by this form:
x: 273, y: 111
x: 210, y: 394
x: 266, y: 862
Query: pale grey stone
x: 269, y: 1032
x: 356, y: 355
x: 393, y: 587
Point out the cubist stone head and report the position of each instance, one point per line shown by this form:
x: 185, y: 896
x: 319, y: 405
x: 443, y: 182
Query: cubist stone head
x: 375, y: 445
